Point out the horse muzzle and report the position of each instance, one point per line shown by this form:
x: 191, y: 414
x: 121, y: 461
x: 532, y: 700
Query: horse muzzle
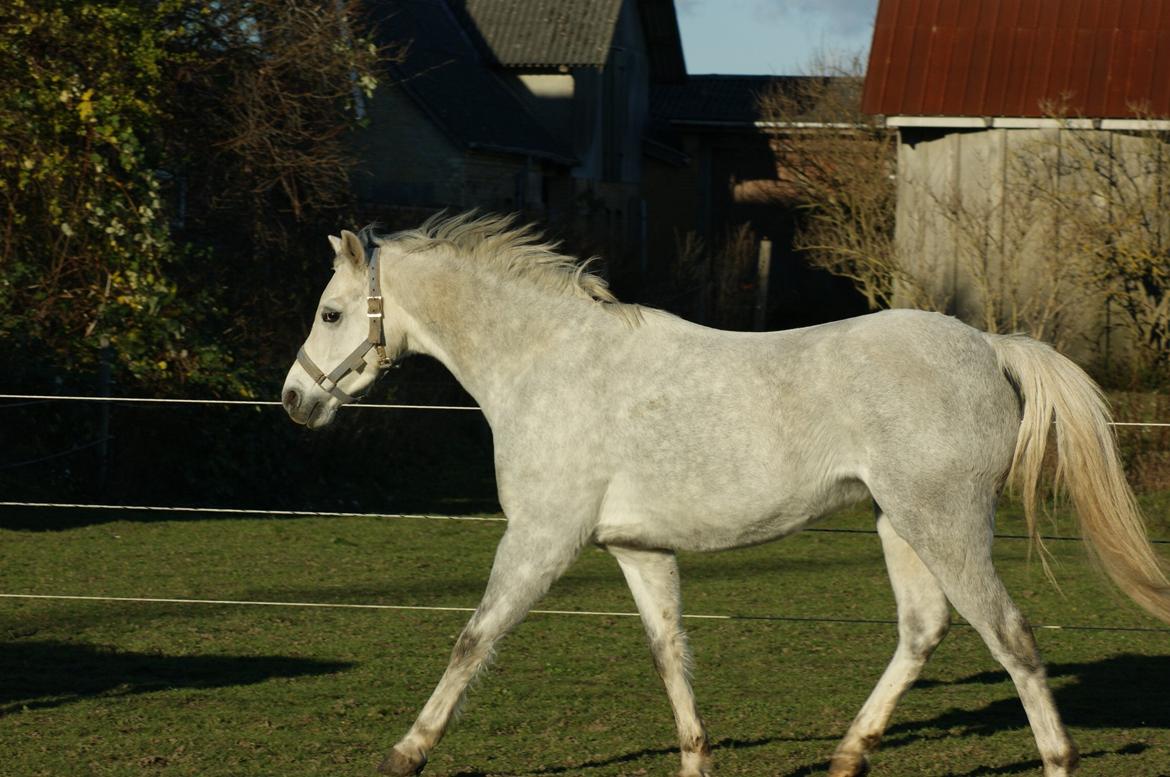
x: 310, y: 412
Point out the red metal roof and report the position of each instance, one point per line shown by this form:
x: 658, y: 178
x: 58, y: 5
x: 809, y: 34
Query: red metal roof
x: 1097, y: 58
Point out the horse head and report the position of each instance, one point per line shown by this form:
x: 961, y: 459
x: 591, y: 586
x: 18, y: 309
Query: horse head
x: 352, y: 341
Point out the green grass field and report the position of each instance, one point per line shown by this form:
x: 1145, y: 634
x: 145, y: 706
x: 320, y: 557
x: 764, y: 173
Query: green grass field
x: 118, y: 688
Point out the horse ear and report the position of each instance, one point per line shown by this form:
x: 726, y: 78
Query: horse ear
x: 351, y: 249
x: 335, y: 241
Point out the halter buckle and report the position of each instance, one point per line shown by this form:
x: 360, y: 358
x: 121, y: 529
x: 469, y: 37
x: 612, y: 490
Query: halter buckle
x: 375, y: 307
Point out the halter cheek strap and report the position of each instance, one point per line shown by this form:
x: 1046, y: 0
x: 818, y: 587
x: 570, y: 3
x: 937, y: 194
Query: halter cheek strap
x: 356, y: 361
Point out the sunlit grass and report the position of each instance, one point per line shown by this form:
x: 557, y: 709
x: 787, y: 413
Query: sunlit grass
x: 107, y: 688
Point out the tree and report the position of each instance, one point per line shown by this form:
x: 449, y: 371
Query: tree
x: 1043, y: 229
x: 837, y: 166
x: 1009, y: 255
x: 151, y: 158
x: 1109, y: 191
x: 1060, y: 232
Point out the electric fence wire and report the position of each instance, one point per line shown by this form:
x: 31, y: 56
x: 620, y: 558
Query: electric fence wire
x: 29, y: 399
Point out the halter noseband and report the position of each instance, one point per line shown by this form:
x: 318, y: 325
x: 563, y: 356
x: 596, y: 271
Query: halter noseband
x: 356, y: 361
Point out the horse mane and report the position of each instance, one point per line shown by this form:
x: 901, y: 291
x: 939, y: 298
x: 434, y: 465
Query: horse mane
x: 515, y: 251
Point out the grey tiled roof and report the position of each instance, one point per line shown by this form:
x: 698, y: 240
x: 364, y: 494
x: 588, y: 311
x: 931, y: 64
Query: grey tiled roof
x: 445, y: 75
x: 545, y: 33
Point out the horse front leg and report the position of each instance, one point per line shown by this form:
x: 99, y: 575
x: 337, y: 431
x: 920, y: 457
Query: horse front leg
x: 652, y: 576
x: 527, y: 562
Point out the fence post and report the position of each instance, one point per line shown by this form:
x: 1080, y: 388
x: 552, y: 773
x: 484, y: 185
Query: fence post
x: 763, y: 270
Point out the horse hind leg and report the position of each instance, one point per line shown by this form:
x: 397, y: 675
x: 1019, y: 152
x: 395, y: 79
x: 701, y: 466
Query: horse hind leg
x: 958, y: 552
x: 653, y: 580
x: 923, y: 619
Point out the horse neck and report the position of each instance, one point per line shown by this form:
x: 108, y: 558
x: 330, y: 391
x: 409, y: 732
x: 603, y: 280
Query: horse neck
x: 488, y: 329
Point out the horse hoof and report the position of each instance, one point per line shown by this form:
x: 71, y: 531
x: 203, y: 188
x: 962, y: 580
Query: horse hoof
x: 848, y: 765
x: 398, y: 764
x: 701, y: 771
x: 697, y: 763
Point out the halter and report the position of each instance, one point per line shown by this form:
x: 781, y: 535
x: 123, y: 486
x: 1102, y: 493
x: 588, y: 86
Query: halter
x: 356, y: 361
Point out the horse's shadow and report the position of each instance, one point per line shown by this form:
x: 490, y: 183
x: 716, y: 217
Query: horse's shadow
x: 807, y: 770
x: 48, y: 674
x: 1122, y: 691
x: 1115, y: 692
x: 599, y: 763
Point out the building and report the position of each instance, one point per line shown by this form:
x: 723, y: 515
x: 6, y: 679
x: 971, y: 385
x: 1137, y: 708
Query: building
x: 991, y: 96
x: 580, y: 114
x: 538, y: 106
x: 712, y: 169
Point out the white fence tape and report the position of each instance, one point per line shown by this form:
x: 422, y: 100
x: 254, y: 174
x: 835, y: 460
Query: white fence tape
x: 586, y: 613
x: 249, y: 511
x: 28, y: 398
x: 228, y: 402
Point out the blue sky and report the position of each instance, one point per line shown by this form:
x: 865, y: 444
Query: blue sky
x: 771, y: 37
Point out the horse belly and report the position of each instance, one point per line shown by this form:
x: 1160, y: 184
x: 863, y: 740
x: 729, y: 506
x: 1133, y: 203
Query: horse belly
x: 690, y: 516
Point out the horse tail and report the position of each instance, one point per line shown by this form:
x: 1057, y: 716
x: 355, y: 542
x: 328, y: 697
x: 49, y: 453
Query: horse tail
x: 1088, y: 466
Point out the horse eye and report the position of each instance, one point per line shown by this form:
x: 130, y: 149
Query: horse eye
x: 330, y: 316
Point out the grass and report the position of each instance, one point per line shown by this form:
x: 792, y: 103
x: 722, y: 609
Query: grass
x: 109, y: 688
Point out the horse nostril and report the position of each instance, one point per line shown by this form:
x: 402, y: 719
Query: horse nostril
x: 291, y: 400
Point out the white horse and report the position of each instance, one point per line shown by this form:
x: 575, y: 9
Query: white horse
x: 645, y: 434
